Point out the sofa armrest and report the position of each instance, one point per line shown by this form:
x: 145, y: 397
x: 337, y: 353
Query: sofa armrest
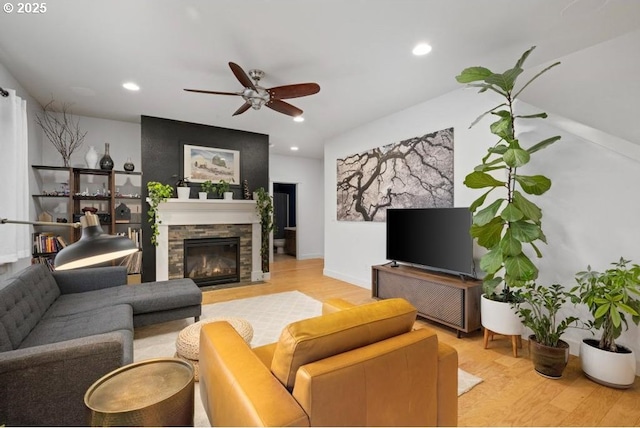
x: 236, y: 388
x: 45, y: 385
x: 89, y: 279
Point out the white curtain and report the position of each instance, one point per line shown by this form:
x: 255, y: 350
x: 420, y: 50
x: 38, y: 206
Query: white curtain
x: 15, y: 240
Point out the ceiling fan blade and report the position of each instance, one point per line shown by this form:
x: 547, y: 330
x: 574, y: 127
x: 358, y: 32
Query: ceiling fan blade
x: 294, y: 91
x: 241, y: 76
x: 285, y: 108
x: 212, y: 92
x: 244, y: 107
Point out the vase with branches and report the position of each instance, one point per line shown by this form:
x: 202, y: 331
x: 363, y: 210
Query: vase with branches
x: 60, y: 128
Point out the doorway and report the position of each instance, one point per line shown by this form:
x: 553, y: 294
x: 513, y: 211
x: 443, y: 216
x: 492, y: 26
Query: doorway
x: 285, y: 220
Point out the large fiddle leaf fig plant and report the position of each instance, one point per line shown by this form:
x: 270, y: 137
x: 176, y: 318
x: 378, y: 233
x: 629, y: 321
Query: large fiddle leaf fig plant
x: 503, y: 223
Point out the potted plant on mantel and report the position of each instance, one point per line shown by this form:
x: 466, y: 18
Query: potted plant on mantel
x: 182, y: 188
x: 264, y: 208
x: 610, y: 297
x: 503, y: 224
x: 538, y: 308
x: 224, y: 189
x: 207, y: 187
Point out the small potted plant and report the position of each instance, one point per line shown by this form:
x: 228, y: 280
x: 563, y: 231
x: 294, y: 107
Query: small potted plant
x: 223, y: 189
x: 611, y: 296
x: 206, y: 188
x: 538, y: 308
x: 158, y: 192
x: 183, y: 189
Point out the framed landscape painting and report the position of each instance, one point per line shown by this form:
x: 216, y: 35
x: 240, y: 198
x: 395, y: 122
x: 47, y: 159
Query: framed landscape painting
x: 209, y: 163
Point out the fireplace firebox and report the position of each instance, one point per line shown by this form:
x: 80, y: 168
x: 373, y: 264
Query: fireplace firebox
x: 212, y: 261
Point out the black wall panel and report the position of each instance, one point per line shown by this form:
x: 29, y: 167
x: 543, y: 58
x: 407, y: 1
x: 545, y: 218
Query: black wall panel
x: 162, y: 155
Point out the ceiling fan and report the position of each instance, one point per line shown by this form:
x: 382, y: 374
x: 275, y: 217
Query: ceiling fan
x: 256, y: 96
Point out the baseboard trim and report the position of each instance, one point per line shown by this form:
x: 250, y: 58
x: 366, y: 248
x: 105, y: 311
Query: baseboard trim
x: 346, y: 278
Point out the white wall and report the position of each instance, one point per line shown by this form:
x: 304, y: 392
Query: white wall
x: 352, y: 247
x: 590, y: 213
x: 308, y: 175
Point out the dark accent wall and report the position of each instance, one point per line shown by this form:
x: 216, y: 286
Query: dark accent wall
x: 162, y: 153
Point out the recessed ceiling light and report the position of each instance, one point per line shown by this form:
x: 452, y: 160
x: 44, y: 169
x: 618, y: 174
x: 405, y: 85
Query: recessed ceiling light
x: 131, y: 86
x: 294, y: 148
x: 421, y: 49
x: 298, y: 119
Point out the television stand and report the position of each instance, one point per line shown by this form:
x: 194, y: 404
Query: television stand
x: 445, y: 299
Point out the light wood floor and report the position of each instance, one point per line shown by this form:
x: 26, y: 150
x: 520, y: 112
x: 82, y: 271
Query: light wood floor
x: 511, y: 393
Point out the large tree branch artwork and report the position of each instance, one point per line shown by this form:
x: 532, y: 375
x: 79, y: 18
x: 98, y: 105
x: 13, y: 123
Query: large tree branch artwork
x: 413, y: 173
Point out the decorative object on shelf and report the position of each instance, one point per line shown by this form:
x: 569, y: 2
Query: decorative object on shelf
x: 158, y: 192
x: 91, y: 158
x: 129, y: 166
x: 504, y: 231
x: 106, y: 162
x: 245, y: 190
x: 123, y: 213
x: 264, y: 208
x: 94, y: 246
x: 61, y: 130
x: 611, y: 296
x: 91, y: 210
x: 183, y: 189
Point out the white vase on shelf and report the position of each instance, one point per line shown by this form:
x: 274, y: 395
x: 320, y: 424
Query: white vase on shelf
x: 183, y: 192
x: 91, y: 158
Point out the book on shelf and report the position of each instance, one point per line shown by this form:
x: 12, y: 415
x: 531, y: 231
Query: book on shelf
x: 48, y: 261
x: 47, y: 243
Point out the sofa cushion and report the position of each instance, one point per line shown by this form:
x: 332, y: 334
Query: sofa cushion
x: 316, y: 338
x: 144, y: 298
x: 24, y: 299
x: 75, y: 326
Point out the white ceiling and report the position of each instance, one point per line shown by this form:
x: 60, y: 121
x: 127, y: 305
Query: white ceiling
x: 358, y: 51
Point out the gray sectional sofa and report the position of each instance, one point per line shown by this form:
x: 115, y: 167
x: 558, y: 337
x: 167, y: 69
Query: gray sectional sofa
x: 61, y: 331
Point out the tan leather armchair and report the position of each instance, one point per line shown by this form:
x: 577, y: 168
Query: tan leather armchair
x: 353, y: 366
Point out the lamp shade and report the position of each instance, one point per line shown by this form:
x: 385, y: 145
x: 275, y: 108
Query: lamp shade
x: 93, y: 247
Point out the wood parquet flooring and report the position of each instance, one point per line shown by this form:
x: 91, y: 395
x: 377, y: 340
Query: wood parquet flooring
x: 511, y: 394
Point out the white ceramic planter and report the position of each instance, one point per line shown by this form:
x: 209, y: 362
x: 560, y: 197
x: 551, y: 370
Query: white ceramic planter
x: 202, y: 195
x: 228, y: 195
x: 499, y: 317
x: 183, y: 192
x: 613, y: 369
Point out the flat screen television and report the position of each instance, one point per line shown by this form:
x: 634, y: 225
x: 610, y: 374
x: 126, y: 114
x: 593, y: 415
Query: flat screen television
x: 435, y: 238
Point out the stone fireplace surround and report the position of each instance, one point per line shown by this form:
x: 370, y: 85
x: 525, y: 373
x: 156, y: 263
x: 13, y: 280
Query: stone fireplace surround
x: 181, y: 219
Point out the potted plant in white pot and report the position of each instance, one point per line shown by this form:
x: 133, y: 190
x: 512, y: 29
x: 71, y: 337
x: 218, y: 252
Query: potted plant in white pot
x: 206, y: 188
x: 182, y: 188
x: 538, y: 307
x: 611, y: 296
x: 224, y: 189
x: 504, y: 223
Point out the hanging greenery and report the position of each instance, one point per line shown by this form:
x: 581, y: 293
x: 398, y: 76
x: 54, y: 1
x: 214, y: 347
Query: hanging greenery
x: 264, y: 207
x: 158, y: 193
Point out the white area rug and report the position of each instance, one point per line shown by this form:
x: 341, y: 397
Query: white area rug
x: 267, y: 314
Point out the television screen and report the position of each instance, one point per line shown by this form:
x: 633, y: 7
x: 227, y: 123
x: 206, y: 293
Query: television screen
x: 435, y: 238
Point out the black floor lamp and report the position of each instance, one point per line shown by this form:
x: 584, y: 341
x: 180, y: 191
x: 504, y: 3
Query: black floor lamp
x: 93, y: 247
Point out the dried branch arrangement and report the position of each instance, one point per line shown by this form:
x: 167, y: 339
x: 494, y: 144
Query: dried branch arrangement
x: 61, y: 130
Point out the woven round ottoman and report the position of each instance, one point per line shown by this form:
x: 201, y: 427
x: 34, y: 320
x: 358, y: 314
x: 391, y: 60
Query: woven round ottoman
x: 188, y: 341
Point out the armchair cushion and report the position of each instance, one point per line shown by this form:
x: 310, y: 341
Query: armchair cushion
x: 316, y: 338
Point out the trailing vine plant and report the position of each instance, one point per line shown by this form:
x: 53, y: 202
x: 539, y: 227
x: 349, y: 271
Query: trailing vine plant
x: 158, y: 192
x: 264, y: 208
x: 503, y: 225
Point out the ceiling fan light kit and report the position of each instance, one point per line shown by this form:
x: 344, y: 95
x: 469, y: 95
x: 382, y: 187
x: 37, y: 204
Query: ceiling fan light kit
x: 256, y: 96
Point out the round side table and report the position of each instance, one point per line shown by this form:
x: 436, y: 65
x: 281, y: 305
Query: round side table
x: 155, y: 392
